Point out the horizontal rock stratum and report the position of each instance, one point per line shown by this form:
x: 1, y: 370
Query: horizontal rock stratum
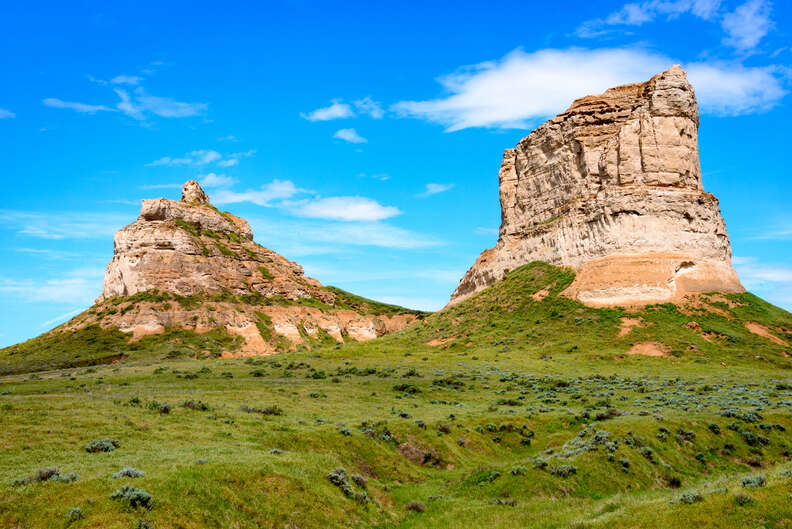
x: 612, y: 188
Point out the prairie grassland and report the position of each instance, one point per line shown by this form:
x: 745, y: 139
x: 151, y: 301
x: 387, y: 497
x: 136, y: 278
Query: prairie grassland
x: 527, y: 413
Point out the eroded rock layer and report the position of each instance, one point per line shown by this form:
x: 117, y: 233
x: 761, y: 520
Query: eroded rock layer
x: 187, y: 265
x: 612, y: 187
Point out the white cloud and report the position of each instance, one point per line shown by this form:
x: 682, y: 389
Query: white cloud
x: 227, y: 138
x: 486, y: 231
x: 6, y: 114
x: 198, y: 157
x: 126, y: 79
x: 170, y: 162
x: 433, y: 189
x: 639, y: 13
x: 349, y: 135
x: 61, y: 318
x: 523, y: 88
x: 228, y: 163
x: 82, y: 108
x: 63, y: 225
x: 77, y: 286
x: 343, y: 208
x: 771, y: 281
x: 336, y: 237
x: 139, y: 104
x: 216, y: 180
x: 336, y: 110
x: 747, y: 24
x: 370, y: 107
x: 264, y: 196
x: 204, y: 156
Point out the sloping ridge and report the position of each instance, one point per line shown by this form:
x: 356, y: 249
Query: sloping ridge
x: 188, y: 279
x: 527, y: 314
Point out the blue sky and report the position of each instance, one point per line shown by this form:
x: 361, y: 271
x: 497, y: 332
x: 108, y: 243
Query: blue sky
x: 361, y: 140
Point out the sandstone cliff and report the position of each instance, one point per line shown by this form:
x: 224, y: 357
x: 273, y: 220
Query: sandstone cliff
x: 187, y: 265
x: 612, y: 187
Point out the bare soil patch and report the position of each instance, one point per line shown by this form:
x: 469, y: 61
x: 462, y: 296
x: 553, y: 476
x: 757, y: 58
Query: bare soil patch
x: 764, y: 332
x: 648, y: 349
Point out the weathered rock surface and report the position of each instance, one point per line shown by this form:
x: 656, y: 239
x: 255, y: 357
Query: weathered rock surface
x: 612, y: 187
x: 187, y: 265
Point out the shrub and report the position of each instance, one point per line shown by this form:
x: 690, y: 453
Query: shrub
x: 128, y: 472
x: 742, y: 499
x: 102, y: 445
x: 563, y: 471
x: 754, y: 481
x: 195, y: 405
x: 518, y: 471
x: 416, y: 506
x: 74, y: 514
x: 714, y: 428
x: 359, y: 480
x: 339, y: 478
x: 269, y: 410
x: 690, y: 497
x: 133, y: 497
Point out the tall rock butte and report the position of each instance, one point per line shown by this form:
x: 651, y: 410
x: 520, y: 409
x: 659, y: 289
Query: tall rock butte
x: 186, y: 265
x: 612, y: 188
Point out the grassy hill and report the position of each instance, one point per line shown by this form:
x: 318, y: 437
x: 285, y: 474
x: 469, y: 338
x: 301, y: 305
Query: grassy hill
x: 516, y: 408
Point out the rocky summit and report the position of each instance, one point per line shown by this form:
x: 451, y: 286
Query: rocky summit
x: 186, y: 265
x: 612, y: 188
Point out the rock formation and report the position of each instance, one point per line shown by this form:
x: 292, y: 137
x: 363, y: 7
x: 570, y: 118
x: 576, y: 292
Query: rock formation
x: 188, y: 265
x: 612, y: 188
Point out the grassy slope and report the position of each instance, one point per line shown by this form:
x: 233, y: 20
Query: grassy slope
x: 93, y: 345
x: 550, y: 367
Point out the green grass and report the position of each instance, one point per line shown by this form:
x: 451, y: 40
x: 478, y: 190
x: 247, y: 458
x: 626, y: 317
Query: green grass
x: 460, y: 427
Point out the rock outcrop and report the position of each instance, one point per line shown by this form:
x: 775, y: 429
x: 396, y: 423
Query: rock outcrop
x: 187, y: 265
x: 612, y: 187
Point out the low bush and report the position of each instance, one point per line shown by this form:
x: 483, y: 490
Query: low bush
x: 128, y: 472
x: 754, y: 481
x: 133, y: 497
x: 102, y: 445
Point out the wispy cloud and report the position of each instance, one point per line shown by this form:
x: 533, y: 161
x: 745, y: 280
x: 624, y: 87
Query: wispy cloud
x: 6, y: 114
x: 126, y: 79
x: 82, y: 108
x: 349, y: 135
x: 639, y: 13
x: 202, y: 157
x: 771, y: 281
x: 340, y: 110
x: 216, y: 180
x: 343, y: 208
x: 369, y: 107
x: 81, y: 285
x: 523, y: 88
x: 336, y: 237
x: 747, y: 25
x: 161, y: 186
x: 336, y: 110
x: 61, y: 317
x: 433, y: 189
x: 49, y: 253
x: 139, y: 104
x: 264, y: 196
x: 486, y: 231
x: 227, y: 138
x: 62, y: 225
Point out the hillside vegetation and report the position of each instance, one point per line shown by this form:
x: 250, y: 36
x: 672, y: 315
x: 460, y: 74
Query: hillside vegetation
x: 516, y: 408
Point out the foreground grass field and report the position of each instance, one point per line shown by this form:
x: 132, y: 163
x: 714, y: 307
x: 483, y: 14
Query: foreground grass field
x: 525, y: 411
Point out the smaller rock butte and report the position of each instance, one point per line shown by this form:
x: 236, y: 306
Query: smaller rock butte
x: 190, y: 248
x: 612, y: 188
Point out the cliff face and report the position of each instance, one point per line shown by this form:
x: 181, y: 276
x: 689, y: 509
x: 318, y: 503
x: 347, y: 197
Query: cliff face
x: 186, y: 265
x: 612, y: 187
